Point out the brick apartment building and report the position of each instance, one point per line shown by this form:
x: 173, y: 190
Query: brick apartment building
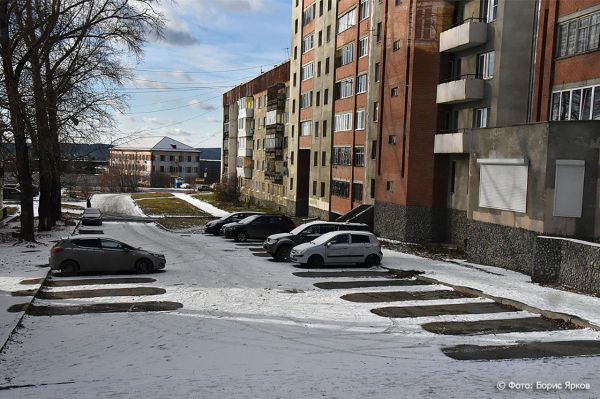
x: 474, y: 122
x: 157, y: 160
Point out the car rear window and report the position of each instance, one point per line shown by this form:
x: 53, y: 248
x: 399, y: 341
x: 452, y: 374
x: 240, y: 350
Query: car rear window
x: 360, y: 239
x: 87, y: 242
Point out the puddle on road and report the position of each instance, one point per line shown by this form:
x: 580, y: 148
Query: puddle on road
x: 101, y: 293
x: 333, y: 285
x: 528, y: 324
x: 32, y: 281
x: 261, y: 254
x: 30, y: 251
x: 370, y: 297
x: 119, y: 307
x: 530, y: 350
x: 358, y: 273
x: 440, y: 310
x: 30, y: 292
x: 256, y: 249
x: 18, y: 307
x: 98, y: 281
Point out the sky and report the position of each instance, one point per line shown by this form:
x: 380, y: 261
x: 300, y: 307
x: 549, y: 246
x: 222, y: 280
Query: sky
x: 208, y: 47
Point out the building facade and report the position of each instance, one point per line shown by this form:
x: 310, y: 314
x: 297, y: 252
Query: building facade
x: 157, y: 162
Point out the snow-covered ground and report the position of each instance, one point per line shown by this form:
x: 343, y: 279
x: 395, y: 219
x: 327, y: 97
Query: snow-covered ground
x: 202, y: 205
x: 250, y: 328
x: 117, y: 205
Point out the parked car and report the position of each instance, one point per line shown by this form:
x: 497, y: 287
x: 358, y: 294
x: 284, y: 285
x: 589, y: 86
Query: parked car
x: 11, y: 193
x: 91, y: 217
x: 339, y: 247
x: 258, y: 226
x: 91, y: 253
x: 204, y: 187
x: 280, y: 245
x: 186, y: 186
x: 214, y: 226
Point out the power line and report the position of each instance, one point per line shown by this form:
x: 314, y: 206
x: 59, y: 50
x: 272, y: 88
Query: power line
x: 199, y: 101
x: 207, y: 71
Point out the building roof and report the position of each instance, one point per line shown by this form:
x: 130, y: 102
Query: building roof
x: 156, y: 144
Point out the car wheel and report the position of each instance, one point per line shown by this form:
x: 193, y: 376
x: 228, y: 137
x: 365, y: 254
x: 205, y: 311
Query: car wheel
x: 283, y: 253
x: 144, y: 266
x: 315, y: 261
x: 372, y: 260
x: 241, y: 236
x: 69, y: 268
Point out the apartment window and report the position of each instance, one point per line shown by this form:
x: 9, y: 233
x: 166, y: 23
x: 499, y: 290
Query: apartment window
x: 341, y: 156
x: 326, y: 97
x: 344, y: 88
x: 378, y: 34
x: 359, y: 156
x: 162, y: 168
x: 503, y: 184
x: 323, y: 158
x: 294, y: 80
x: 322, y: 189
x: 316, y: 129
x: 318, y: 100
x: 342, y: 122
x: 307, y: 71
x: 162, y: 158
x: 316, y: 159
x: 305, y: 128
x: 576, y: 104
x: 392, y: 139
x: 326, y: 65
x: 396, y: 45
x: 346, y: 54
x: 340, y: 188
x: 357, y: 191
x: 296, y: 26
x: 394, y: 92
x: 320, y: 8
x: 485, y: 65
x: 320, y: 43
x: 372, y: 188
x: 308, y: 15
x: 293, y: 105
x: 375, y: 111
x: 578, y: 35
x: 306, y: 99
x: 329, y: 5
x: 346, y: 21
x: 374, y: 149
x: 328, y: 34
x: 318, y: 68
x: 295, y: 52
x: 390, y: 186
x: 292, y: 160
x: 489, y: 10
x: 481, y: 117
x: 314, y: 188
x: 291, y: 183
x: 360, y: 119
x: 324, y: 128
x: 363, y: 46
x: 361, y: 83
x: 308, y: 42
x: 364, y: 9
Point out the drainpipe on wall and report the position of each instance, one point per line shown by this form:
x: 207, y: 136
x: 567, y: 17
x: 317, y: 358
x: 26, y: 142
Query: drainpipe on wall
x: 533, y: 60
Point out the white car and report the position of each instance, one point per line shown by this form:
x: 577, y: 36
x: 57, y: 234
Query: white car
x: 339, y: 247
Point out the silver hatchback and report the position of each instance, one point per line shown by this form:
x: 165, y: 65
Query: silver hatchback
x: 91, y: 253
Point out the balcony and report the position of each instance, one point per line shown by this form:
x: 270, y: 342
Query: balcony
x: 244, y: 152
x: 226, y: 127
x: 470, y: 33
x: 225, y: 144
x: 246, y: 132
x: 274, y: 118
x: 277, y: 177
x: 246, y: 113
x: 467, y: 88
x: 452, y: 142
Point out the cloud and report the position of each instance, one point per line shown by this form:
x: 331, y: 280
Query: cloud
x: 212, y: 119
x: 202, y: 105
x: 177, y: 37
x: 181, y: 76
x: 144, y: 81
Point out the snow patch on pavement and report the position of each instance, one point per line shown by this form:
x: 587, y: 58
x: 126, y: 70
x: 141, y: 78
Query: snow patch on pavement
x: 202, y: 205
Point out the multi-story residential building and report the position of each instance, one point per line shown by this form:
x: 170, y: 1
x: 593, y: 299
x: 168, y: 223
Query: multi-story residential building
x: 521, y: 159
x: 157, y: 160
x: 255, y: 130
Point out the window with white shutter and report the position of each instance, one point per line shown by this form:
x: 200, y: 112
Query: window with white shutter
x: 503, y: 184
x: 568, y: 188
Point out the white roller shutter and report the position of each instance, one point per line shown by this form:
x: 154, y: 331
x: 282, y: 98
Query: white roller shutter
x: 503, y: 184
x: 568, y: 188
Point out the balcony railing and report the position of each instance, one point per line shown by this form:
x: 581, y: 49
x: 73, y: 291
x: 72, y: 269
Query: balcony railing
x: 274, y: 176
x: 469, y: 33
x: 463, y: 89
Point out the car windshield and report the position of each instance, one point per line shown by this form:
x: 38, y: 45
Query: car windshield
x: 323, y: 239
x: 299, y: 229
x: 248, y: 219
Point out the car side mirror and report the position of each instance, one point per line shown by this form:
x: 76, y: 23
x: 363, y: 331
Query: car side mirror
x: 126, y: 249
x: 328, y: 244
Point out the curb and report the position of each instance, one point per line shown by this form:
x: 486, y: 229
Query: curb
x: 576, y: 320
x: 24, y: 311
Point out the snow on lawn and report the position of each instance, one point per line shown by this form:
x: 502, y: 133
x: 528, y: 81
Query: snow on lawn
x: 249, y: 328
x: 117, y: 204
x: 205, y: 206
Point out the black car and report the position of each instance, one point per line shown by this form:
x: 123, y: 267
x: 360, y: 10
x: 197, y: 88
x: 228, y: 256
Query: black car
x: 91, y: 217
x: 214, y: 227
x: 11, y: 194
x: 280, y: 245
x: 258, y: 226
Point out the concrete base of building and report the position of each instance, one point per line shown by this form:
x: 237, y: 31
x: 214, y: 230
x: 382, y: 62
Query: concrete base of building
x: 409, y: 223
x: 318, y: 213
